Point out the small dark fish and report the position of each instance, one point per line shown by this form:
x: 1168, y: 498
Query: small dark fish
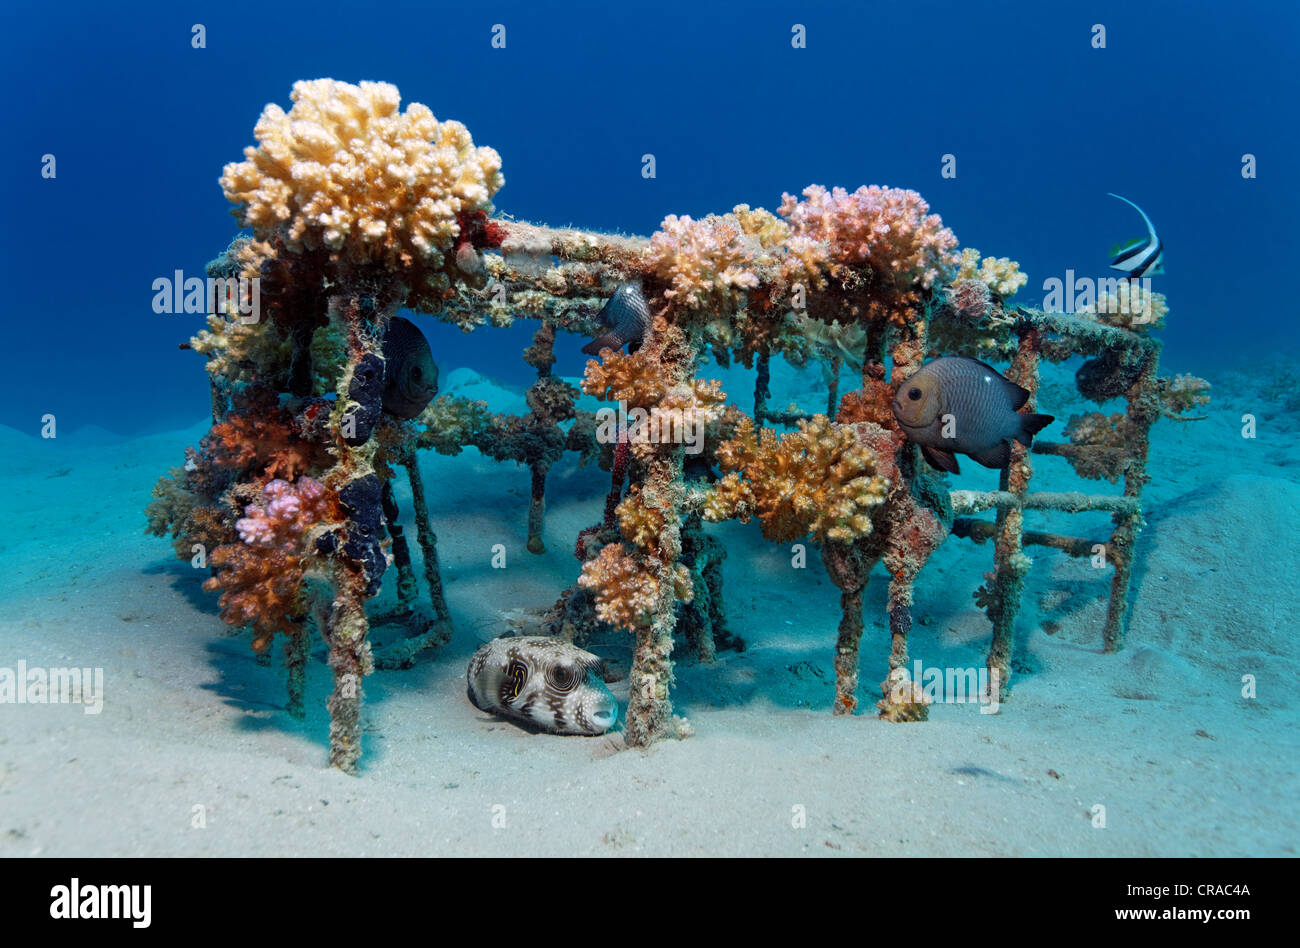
x: 957, y: 405
x: 1142, y: 255
x: 410, y: 374
x: 628, y: 317
x: 547, y: 682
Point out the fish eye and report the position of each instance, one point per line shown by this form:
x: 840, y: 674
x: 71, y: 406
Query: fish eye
x: 914, y: 394
x: 417, y: 373
x: 563, y: 678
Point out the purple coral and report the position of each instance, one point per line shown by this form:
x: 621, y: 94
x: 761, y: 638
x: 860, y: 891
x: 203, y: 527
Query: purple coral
x: 288, y: 510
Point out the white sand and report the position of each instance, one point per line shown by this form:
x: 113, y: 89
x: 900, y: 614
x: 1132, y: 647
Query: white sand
x: 1158, y: 734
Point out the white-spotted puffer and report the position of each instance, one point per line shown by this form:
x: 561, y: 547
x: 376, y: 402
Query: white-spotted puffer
x: 547, y: 682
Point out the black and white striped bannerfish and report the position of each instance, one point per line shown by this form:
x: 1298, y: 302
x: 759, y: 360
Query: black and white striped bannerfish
x: 550, y: 683
x: 1141, y: 255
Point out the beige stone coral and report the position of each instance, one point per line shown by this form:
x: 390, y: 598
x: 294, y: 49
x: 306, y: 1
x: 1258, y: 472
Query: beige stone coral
x: 239, y: 351
x: 1105, y: 442
x: 708, y: 264
x: 635, y: 379
x: 1182, y: 394
x: 626, y: 588
x: 639, y: 522
x: 1129, y: 307
x: 768, y: 229
x: 1000, y: 274
x: 819, y: 480
x: 450, y: 422
x: 345, y: 170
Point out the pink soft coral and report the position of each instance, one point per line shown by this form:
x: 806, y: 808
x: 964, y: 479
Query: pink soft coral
x: 261, y: 579
x: 289, y: 510
x: 888, y: 230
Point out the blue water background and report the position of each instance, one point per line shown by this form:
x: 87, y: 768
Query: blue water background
x: 1042, y: 126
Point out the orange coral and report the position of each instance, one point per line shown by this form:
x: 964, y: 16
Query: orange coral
x: 635, y: 379
x: 869, y: 403
x: 625, y: 591
x: 639, y: 522
x: 819, y: 480
x: 261, y: 578
x: 260, y: 588
x: 259, y: 438
x: 885, y: 248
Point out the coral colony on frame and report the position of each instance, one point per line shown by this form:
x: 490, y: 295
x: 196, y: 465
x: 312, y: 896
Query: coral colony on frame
x: 359, y: 209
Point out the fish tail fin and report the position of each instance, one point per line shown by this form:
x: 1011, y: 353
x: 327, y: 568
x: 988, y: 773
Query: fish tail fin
x: 610, y: 340
x: 1030, y: 425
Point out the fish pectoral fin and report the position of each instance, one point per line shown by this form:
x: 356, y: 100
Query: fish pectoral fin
x: 940, y: 460
x: 610, y: 340
x: 1030, y: 425
x: 997, y: 456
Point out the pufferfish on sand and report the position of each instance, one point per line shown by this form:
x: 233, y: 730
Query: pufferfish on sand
x: 550, y: 683
x: 956, y: 405
x: 628, y: 317
x: 410, y: 374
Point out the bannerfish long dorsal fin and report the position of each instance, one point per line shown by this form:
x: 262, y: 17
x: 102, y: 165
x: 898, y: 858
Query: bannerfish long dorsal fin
x: 1151, y: 230
x: 1138, y: 257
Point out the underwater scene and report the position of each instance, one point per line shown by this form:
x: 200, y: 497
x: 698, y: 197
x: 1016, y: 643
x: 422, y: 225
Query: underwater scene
x: 766, y: 429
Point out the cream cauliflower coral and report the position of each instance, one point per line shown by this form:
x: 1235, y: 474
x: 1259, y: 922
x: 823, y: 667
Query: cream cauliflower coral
x: 709, y: 264
x: 1130, y: 306
x: 889, y: 230
x: 345, y: 170
x: 625, y: 588
x: 1000, y: 274
x: 819, y: 480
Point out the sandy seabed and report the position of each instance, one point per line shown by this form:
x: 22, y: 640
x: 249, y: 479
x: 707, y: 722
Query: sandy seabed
x: 194, y: 754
